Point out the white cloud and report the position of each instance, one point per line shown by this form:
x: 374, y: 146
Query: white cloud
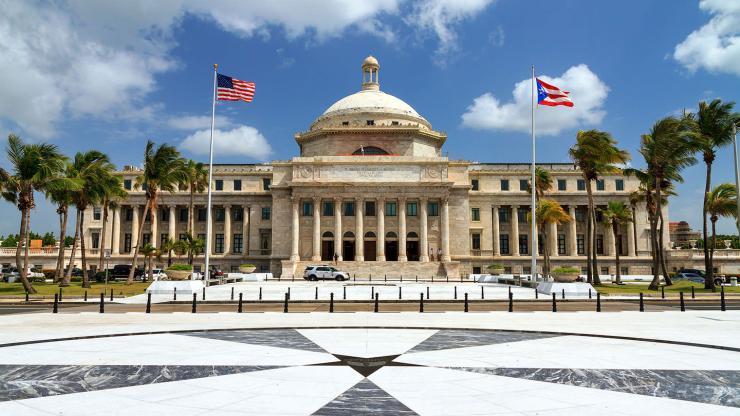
x: 440, y: 16
x: 197, y: 122
x: 242, y: 140
x: 588, y: 93
x: 716, y: 45
x: 497, y: 37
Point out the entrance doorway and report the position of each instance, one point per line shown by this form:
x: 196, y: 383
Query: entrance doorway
x: 370, y: 247
x: 327, y: 246
x: 412, y: 246
x: 348, y: 246
x: 391, y: 246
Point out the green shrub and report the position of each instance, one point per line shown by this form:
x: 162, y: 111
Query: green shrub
x: 75, y: 279
x: 100, y: 277
x: 496, y: 266
x: 247, y: 265
x: 49, y: 273
x: 180, y: 267
x: 566, y: 270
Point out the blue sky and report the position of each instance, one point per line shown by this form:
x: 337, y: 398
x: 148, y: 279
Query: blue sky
x: 84, y: 75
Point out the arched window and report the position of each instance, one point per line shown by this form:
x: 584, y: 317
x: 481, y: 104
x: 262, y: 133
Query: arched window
x: 327, y: 234
x: 349, y: 234
x: 391, y: 234
x: 412, y: 235
x: 369, y: 234
x: 369, y: 150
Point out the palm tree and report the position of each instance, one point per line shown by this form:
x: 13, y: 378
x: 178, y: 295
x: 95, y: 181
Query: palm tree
x: 149, y: 252
x: 34, y: 167
x: 92, y: 169
x: 197, y: 181
x: 112, y: 194
x: 595, y: 153
x: 712, y: 130
x: 168, y: 247
x: 191, y: 246
x: 163, y: 171
x: 542, y: 182
x: 721, y: 202
x: 62, y: 198
x: 635, y: 198
x: 617, y: 214
x: 548, y: 212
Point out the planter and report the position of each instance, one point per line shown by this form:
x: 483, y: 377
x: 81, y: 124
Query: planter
x: 247, y: 269
x: 495, y: 272
x: 565, y: 277
x: 179, y: 274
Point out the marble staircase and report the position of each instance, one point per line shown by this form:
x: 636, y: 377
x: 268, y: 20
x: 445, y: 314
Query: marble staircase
x: 364, y: 270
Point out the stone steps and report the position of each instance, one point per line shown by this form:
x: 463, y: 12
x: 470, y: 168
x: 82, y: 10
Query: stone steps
x: 377, y: 269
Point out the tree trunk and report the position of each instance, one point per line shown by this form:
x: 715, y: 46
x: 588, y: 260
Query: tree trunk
x: 151, y: 269
x: 617, y: 247
x: 131, y: 273
x: 589, y: 234
x: 169, y: 258
x: 85, y: 276
x: 191, y: 213
x: 63, y: 216
x: 634, y: 227
x: 663, y: 265
x: 711, y: 250
x: 653, y: 248
x: 708, y: 279
x: 101, y: 259
x: 68, y: 274
x: 545, y: 252
x: 592, y: 238
x: 25, y: 280
x: 23, y: 265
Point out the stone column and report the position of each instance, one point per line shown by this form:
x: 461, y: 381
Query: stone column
x: 631, y: 249
x: 496, y: 231
x: 173, y: 222
x: 446, y: 230
x: 380, y: 211
x: 338, y: 228
x: 572, y: 232
x: 402, y: 230
x: 316, y: 256
x: 154, y: 225
x: 514, y: 243
x: 552, y: 238
x: 424, y: 250
x: 227, y: 229
x: 135, y: 227
x: 294, y: 256
x: 610, y: 243
x: 359, y: 232
x: 245, y: 229
x: 116, y: 234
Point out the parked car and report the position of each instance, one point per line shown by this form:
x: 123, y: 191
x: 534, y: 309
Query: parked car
x: 324, y: 272
x: 11, y: 274
x: 76, y: 271
x: 121, y: 271
x: 158, y: 274
x: 717, y: 279
x: 691, y: 277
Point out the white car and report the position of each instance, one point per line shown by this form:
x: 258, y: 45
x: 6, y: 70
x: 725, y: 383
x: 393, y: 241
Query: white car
x: 324, y: 272
x: 158, y: 274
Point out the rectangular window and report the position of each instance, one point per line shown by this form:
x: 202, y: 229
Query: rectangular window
x: 163, y: 237
x: 475, y: 242
x: 474, y: 184
x: 265, y: 241
x: 129, y: 214
x: 219, y: 185
x: 476, y: 270
x: 219, y: 245
x: 504, y: 184
x: 605, y: 270
x: 146, y: 239
x: 433, y: 209
x: 522, y: 214
x: 625, y: 270
x: 96, y: 214
x: 237, y: 184
x: 127, y: 243
x: 561, y: 244
x: 369, y: 208
x: 202, y: 214
x: 599, y: 243
x: 349, y: 209
x: 307, y: 209
x: 182, y: 237
x: 503, y: 242
x: 95, y: 240
x: 237, y: 214
x: 581, y: 244
x: 599, y: 215
x: 202, y: 237
x: 619, y: 184
x: 523, y: 244
x: 527, y: 269
x: 265, y: 213
x: 599, y: 184
x: 390, y: 209
x: 164, y: 214
x: 238, y: 243
x: 562, y: 185
x: 219, y: 214
x: 475, y: 214
x: 581, y: 185
x: 412, y: 209
x: 328, y: 209
x: 580, y: 214
x: 370, y: 122
x: 523, y: 184
x: 183, y: 214
x: 127, y: 184
x: 503, y: 215
x: 266, y: 184
x: 540, y: 244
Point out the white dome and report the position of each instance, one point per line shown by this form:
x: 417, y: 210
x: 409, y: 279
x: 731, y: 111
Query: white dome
x: 371, y: 101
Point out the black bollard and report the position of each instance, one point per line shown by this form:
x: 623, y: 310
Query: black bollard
x: 331, y: 302
x: 385, y: 277
x: 27, y: 295
x: 344, y: 292
x: 232, y: 293
x: 204, y: 293
x: 589, y: 293
x: 372, y: 292
x: 285, y: 302
x: 536, y: 294
x: 174, y: 294
x: 427, y: 292
x: 510, y: 289
x: 466, y: 301
x: 455, y: 292
x: 447, y: 279
x: 432, y: 278
x: 642, y: 303
x: 421, y: 302
x: 482, y: 295
x: 239, y: 308
x: 662, y: 292
x: 102, y: 303
x: 683, y: 306
x: 111, y: 295
x: 376, y: 303
x: 693, y: 295
x: 260, y: 296
x: 194, y: 307
x: 598, y: 302
x: 722, y: 306
x: 554, y: 303
x: 288, y: 292
x: 60, y: 294
x: 416, y: 278
x: 55, y: 308
x: 148, y: 303
x: 316, y: 293
x: 85, y: 296
x: 511, y: 302
x: 399, y: 293
x: 401, y: 278
x: 563, y: 293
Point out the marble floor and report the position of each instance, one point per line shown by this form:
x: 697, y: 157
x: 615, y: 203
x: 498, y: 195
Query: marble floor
x: 366, y: 371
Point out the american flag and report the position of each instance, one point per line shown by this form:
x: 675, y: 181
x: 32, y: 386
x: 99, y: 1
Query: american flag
x: 232, y: 89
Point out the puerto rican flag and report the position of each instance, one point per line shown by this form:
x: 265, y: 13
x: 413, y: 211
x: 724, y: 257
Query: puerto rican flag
x: 551, y: 95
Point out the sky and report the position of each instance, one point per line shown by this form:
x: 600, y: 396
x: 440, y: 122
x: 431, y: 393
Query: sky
x: 85, y: 74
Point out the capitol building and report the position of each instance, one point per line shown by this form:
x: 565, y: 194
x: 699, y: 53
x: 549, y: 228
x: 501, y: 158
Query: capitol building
x: 370, y: 187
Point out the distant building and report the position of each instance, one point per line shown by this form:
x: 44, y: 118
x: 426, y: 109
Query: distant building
x: 681, y: 234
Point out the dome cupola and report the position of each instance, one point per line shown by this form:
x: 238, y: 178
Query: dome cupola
x: 370, y: 69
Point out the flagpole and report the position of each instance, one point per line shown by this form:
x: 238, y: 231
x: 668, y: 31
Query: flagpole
x: 207, y: 272
x: 535, y: 246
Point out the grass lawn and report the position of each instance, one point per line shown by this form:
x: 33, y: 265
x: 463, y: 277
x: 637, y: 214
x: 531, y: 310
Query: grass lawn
x: 634, y: 289
x: 74, y: 289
